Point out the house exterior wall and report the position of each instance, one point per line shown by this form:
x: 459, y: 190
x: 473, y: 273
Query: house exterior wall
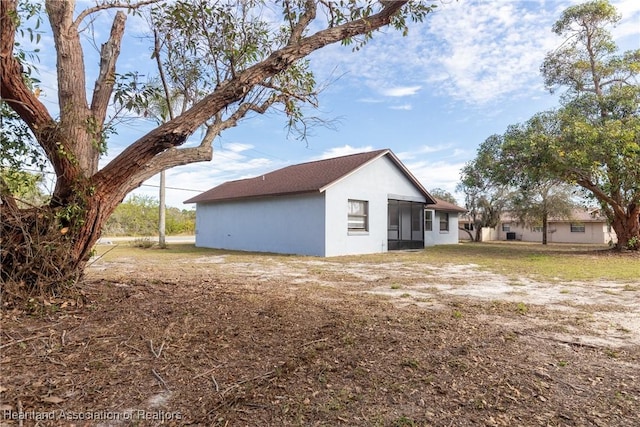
x: 464, y: 236
x: 437, y: 237
x: 375, y: 183
x: 487, y: 234
x: 293, y: 224
x: 560, y: 232
x: 594, y: 232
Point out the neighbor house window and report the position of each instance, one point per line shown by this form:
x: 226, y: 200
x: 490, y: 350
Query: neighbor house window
x: 577, y: 228
x: 444, y: 221
x: 468, y: 226
x: 506, y: 227
x: 537, y: 229
x: 428, y: 220
x: 358, y: 215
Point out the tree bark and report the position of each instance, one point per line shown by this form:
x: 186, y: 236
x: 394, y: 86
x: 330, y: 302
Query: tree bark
x: 627, y: 228
x: 625, y: 221
x: 75, y: 116
x: 15, y: 92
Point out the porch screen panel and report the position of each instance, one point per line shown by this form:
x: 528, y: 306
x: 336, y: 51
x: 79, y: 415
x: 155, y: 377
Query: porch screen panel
x: 405, y: 225
x: 393, y: 230
x: 405, y: 220
x: 417, y: 232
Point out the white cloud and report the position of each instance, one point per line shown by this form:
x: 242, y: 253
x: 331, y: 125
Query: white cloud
x: 344, y: 151
x: 479, y: 52
x: 490, y: 50
x: 400, y: 91
x: 441, y: 174
x: 234, y: 148
x: 630, y: 23
x: 420, y: 151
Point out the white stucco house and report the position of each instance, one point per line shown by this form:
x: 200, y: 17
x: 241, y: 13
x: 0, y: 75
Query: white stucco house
x: 356, y: 204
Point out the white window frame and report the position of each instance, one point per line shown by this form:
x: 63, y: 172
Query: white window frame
x: 361, y: 215
x: 428, y: 220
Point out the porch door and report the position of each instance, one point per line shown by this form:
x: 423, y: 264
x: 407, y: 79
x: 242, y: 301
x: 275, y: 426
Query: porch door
x: 406, y: 227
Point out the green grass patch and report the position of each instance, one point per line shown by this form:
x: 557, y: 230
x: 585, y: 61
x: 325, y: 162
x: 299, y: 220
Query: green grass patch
x: 551, y: 262
x: 522, y: 308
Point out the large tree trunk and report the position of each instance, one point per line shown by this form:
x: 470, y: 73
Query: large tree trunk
x: 45, y: 249
x: 624, y: 218
x: 627, y: 228
x: 478, y: 233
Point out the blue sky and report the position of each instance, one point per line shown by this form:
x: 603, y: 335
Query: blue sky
x: 432, y: 97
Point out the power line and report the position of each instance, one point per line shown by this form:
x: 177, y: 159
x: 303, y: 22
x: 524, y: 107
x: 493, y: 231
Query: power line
x: 143, y: 185
x: 173, y: 188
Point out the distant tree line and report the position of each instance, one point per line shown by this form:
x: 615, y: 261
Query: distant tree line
x: 138, y: 216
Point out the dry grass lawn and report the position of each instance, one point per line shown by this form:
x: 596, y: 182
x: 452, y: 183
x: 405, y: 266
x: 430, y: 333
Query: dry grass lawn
x: 444, y: 337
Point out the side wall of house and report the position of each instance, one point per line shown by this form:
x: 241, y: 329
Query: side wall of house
x: 443, y: 237
x: 374, y: 183
x: 293, y: 224
x: 560, y: 232
x: 594, y: 232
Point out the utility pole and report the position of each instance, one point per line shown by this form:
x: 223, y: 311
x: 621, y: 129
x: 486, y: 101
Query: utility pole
x: 162, y: 222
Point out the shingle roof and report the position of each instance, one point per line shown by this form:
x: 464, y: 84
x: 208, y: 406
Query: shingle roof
x: 444, y: 206
x: 297, y: 179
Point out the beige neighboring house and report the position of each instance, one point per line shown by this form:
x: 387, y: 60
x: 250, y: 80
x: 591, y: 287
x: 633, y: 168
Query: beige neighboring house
x: 584, y: 226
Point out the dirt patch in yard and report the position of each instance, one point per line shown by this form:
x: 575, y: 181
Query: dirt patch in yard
x: 301, y: 341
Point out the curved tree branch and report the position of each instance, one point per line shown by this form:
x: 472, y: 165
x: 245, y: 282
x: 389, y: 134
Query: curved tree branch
x: 13, y: 89
x: 108, y: 58
x: 308, y: 16
x: 104, y: 6
x: 203, y: 152
x: 175, y: 132
x: 15, y: 92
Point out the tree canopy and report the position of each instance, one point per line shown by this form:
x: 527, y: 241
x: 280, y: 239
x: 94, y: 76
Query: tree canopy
x: 443, y: 194
x: 221, y: 60
x: 593, y: 139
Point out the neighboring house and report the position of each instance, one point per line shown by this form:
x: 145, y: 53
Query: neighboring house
x: 356, y: 204
x: 583, y: 226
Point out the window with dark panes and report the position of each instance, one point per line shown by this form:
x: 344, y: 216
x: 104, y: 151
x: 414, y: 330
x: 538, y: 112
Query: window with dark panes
x: 577, y: 228
x: 444, y: 221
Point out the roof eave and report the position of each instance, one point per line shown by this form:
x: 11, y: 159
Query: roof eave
x: 252, y: 197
